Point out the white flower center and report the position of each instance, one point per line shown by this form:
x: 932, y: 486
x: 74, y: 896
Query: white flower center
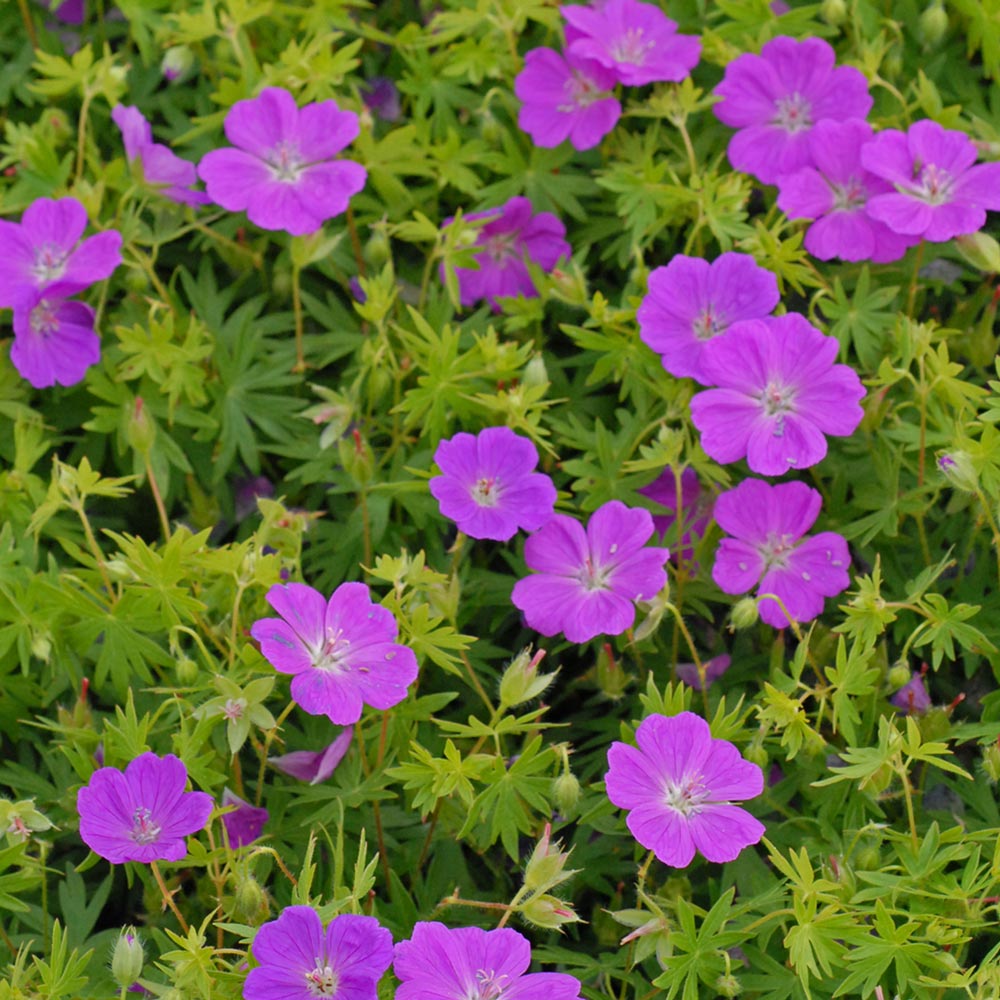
x: 776, y: 550
x: 500, y: 246
x: 850, y: 196
x: 489, y: 986
x: 777, y: 400
x: 286, y: 162
x: 934, y: 185
x: 793, y: 113
x: 579, y: 92
x: 322, y: 980
x: 233, y: 709
x: 595, y: 577
x: 686, y: 796
x: 708, y: 323
x: 630, y: 48
x: 144, y: 830
x: 50, y: 263
x: 334, y: 650
x: 43, y: 320
x: 486, y: 492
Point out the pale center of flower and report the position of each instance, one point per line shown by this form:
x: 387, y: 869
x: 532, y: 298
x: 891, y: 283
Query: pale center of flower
x: 486, y: 491
x: 233, y: 709
x: 793, y: 113
x: 777, y: 400
x: 850, y: 196
x: 322, y: 980
x: 489, y: 985
x: 50, y: 263
x: 43, y: 320
x: 686, y: 796
x: 579, y: 92
x: 708, y: 323
x: 334, y: 650
x: 144, y: 830
x: 594, y: 576
x: 934, y: 185
x: 500, y: 246
x: 630, y: 48
x: 776, y: 550
x: 286, y: 162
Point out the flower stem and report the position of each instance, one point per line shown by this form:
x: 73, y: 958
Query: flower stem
x: 268, y: 739
x: 908, y: 797
x: 352, y: 230
x: 158, y: 499
x: 300, y: 358
x: 911, y: 299
x: 81, y: 133
x: 168, y: 897
x: 29, y: 24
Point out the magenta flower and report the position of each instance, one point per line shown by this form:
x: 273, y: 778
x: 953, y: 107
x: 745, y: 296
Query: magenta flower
x: 835, y: 191
x: 283, y: 173
x: 776, y: 98
x: 912, y: 698
x: 143, y: 814
x: 299, y: 960
x: 691, y: 301
x: 637, y: 41
x: 160, y: 165
x: 511, y: 236
x: 679, y: 786
x: 565, y: 97
x: 586, y: 581
x: 696, y: 507
x: 768, y: 550
x: 489, y: 487
x: 939, y: 193
x: 44, y: 253
x: 459, y: 963
x: 341, y: 652
x: 713, y: 668
x: 54, y: 341
x: 314, y: 766
x: 244, y: 823
x: 780, y: 391
x: 68, y: 11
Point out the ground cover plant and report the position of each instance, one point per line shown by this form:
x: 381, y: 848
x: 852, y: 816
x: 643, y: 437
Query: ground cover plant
x: 499, y: 500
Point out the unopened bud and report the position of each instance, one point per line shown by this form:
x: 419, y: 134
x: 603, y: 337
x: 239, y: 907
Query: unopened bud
x: 547, y: 864
x: 376, y: 250
x: 745, y: 613
x: 187, y: 671
x: 879, y: 781
x: 177, y: 62
x: 521, y: 681
x: 610, y: 676
x: 933, y: 24
x: 899, y: 676
x: 756, y: 754
x: 547, y: 911
x: 834, y: 12
x: 566, y: 792
x: 991, y: 762
x: 127, y: 958
x: 141, y: 429
x: 41, y: 644
x: 729, y: 985
x: 957, y: 468
x: 979, y: 250
x: 249, y: 900
x: 356, y: 457
x: 535, y: 373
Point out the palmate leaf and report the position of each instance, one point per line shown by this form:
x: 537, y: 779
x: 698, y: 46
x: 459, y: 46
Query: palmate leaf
x: 862, y: 320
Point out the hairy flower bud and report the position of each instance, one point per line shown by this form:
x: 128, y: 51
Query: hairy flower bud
x: 177, y: 62
x: 745, y: 613
x: 834, y: 12
x: 566, y: 792
x: 249, y: 900
x: 127, y: 958
x: 547, y: 911
x: 933, y: 24
x: 521, y: 681
x: 547, y: 864
x: 729, y: 985
x: 957, y: 468
x: 899, y: 675
x: 991, y: 762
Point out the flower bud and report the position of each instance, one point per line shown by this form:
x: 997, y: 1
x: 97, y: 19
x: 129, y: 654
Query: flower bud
x: 187, y: 671
x: 376, y: 250
x: 535, y: 372
x: 833, y: 12
x: 566, y: 792
x: 141, y: 429
x: 867, y: 857
x: 879, y: 781
x: 980, y: 251
x: 756, y: 754
x: 611, y: 679
x: 356, y: 457
x: 177, y: 62
x: 957, y: 468
x: 899, y: 675
x: 545, y: 868
x: 249, y: 900
x: 521, y: 681
x: 991, y: 762
x: 744, y: 613
x: 127, y: 958
x: 547, y: 911
x: 728, y: 985
x: 933, y: 24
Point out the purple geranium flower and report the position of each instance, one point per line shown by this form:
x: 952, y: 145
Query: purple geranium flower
x: 511, y: 236
x: 283, y: 172
x: 835, y: 191
x: 44, y: 252
x: 54, y: 340
x: 776, y: 98
x: 713, y: 668
x: 637, y: 41
x: 341, y: 651
x: 939, y: 193
x: 244, y: 823
x: 160, y: 165
x: 489, y: 487
x: 912, y: 698
x: 381, y: 97
x: 780, y: 391
x: 315, y: 766
x: 143, y: 814
x: 586, y: 581
x: 299, y: 960
x: 679, y: 786
x: 767, y: 548
x: 696, y: 507
x: 565, y: 97
x: 691, y: 301
x: 68, y: 11
x: 459, y: 963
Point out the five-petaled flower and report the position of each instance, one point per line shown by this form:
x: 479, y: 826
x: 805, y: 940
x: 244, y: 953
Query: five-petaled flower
x: 779, y: 392
x: 767, y: 549
x: 585, y: 581
x: 776, y: 98
x: 468, y: 963
x: 489, y: 486
x: 679, y: 786
x: 299, y: 960
x: 143, y: 813
x: 283, y: 173
x: 341, y: 652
